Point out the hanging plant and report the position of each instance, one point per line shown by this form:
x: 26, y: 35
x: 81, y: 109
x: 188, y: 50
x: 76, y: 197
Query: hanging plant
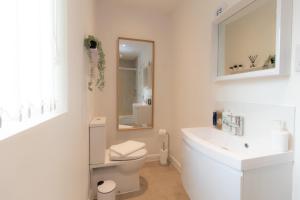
x: 92, y: 44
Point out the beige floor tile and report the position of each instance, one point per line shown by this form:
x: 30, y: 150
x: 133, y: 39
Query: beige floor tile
x: 158, y: 183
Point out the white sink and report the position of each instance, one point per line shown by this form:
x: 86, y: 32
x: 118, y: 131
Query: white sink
x: 233, y: 150
x: 217, y: 165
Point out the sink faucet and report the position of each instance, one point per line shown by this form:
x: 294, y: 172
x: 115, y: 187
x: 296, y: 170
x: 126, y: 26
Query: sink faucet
x: 233, y: 124
x: 238, y: 125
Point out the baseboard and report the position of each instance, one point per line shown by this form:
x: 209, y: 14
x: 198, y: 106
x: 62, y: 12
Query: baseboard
x: 175, y: 163
x: 152, y: 157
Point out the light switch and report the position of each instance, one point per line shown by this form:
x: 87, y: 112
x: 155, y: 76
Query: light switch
x: 297, y: 56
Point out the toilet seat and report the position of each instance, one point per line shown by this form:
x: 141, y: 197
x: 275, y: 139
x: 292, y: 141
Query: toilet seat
x: 133, y: 156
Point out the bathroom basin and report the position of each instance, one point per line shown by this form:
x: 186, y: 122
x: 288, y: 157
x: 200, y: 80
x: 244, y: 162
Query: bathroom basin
x: 239, y: 168
x: 233, y: 151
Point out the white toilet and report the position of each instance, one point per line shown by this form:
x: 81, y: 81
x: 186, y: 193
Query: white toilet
x: 123, y: 169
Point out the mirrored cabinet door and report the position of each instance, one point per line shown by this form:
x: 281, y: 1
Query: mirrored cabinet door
x: 135, y: 79
x: 253, y: 39
x: 247, y: 39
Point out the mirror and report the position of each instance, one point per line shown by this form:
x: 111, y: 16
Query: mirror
x: 135, y: 77
x: 253, y: 38
x: 247, y: 39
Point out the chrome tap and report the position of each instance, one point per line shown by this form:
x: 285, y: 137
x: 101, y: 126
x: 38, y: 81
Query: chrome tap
x: 238, y: 126
x: 233, y: 124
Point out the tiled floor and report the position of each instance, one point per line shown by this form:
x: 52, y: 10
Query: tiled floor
x: 158, y: 183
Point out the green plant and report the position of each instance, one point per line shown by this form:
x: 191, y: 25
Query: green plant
x: 272, y: 59
x: 91, y: 42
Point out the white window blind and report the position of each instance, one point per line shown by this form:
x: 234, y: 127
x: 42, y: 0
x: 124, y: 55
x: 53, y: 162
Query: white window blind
x: 32, y: 63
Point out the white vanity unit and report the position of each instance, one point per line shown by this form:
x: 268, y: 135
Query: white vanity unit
x: 220, y: 166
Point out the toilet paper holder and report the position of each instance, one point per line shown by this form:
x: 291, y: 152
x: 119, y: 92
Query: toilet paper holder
x: 164, y: 138
x: 164, y: 151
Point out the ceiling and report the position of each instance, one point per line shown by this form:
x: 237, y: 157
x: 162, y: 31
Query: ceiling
x: 165, y: 6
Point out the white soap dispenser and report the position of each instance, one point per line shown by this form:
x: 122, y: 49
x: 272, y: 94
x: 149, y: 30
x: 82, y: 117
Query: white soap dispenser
x: 280, y: 137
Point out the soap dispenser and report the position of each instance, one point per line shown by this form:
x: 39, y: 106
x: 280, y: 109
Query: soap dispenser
x: 280, y: 136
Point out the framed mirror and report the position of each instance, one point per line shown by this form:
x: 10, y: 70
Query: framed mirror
x: 135, y: 84
x: 253, y: 39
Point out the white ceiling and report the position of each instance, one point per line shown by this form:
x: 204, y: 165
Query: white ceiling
x: 165, y: 6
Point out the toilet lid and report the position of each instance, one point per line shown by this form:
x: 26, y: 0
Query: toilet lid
x: 135, y: 155
x: 126, y: 148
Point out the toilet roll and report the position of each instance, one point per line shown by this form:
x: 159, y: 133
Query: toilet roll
x: 164, y: 156
x: 280, y: 136
x: 162, y: 132
x: 164, y: 138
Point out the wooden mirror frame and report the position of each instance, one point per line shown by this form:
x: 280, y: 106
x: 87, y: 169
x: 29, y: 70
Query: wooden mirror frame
x: 153, y: 83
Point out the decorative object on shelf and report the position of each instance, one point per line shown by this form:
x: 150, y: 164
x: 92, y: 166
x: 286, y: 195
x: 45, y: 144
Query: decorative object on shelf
x: 273, y: 59
x: 252, y: 60
x: 236, y: 68
x: 270, y: 62
x: 97, y: 58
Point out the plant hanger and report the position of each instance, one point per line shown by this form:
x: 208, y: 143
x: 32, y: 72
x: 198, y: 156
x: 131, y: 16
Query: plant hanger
x: 92, y: 45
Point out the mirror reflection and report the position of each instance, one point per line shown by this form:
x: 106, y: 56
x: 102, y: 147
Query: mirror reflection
x: 247, y: 40
x: 135, y: 84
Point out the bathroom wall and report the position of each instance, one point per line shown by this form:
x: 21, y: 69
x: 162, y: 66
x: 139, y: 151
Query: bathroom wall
x: 192, y: 83
x: 50, y: 161
x: 115, y: 19
x: 259, y: 120
x: 192, y: 28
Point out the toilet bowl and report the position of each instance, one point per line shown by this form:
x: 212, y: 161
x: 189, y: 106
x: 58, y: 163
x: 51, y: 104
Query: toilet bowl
x: 124, y: 170
x: 136, y: 163
x: 125, y: 173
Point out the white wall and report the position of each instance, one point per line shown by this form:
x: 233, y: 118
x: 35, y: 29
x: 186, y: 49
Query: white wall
x: 113, y: 20
x: 50, y: 161
x: 192, y: 28
x: 192, y: 84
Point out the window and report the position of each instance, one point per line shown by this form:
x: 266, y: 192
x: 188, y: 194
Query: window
x: 32, y: 63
